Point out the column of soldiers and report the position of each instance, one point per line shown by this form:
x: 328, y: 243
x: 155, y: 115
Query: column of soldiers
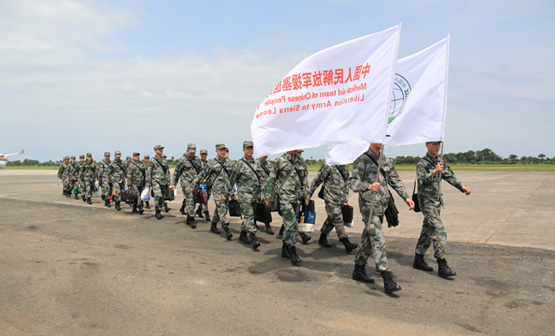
x: 282, y: 184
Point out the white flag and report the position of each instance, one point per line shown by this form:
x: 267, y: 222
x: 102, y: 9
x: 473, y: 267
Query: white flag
x: 339, y: 95
x: 420, y: 97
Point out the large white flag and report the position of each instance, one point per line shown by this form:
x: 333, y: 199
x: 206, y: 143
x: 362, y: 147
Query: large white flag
x: 418, y: 104
x: 337, y: 96
x: 420, y: 97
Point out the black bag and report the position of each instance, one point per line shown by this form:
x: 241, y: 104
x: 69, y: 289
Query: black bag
x: 309, y: 207
x: 234, y: 208
x: 415, y: 199
x: 347, y: 212
x: 128, y: 197
x: 275, y: 203
x: 263, y: 213
x: 167, y: 192
x: 321, y: 193
x: 391, y: 213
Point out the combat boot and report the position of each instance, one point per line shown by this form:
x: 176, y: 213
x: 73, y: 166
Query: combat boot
x: 191, y: 221
x: 147, y: 205
x: 348, y: 245
x: 166, y: 208
x: 76, y: 196
x: 359, y: 274
x: 323, y: 240
x: 269, y: 229
x: 280, y: 233
x: 305, y: 238
x: 295, y: 259
x: 83, y: 198
x: 228, y: 234
x: 103, y: 197
x: 107, y: 202
x: 420, y: 264
x: 118, y: 208
x: 285, y: 251
x: 443, y: 270
x: 207, y: 216
x: 199, y: 211
x: 214, y: 228
x: 89, y: 200
x: 389, y: 284
x: 134, y: 207
x: 254, y: 241
x: 243, y: 238
x: 140, y: 208
x: 182, y: 209
x: 158, y: 214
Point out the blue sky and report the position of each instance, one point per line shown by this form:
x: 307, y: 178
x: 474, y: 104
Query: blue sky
x: 95, y: 76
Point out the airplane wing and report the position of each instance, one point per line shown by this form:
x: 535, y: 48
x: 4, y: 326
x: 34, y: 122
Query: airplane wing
x: 14, y: 153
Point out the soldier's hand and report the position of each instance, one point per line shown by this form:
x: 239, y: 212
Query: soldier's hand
x: 466, y: 190
x: 347, y: 201
x: 173, y: 187
x: 262, y: 198
x: 374, y: 186
x: 223, y: 198
x: 268, y: 203
x: 410, y: 203
x: 192, y: 189
x: 439, y: 168
x: 306, y: 202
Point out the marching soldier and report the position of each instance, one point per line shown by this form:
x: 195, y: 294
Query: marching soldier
x: 117, y: 178
x: 336, y: 192
x: 216, y: 174
x: 290, y: 184
x: 430, y: 171
x: 88, y: 176
x: 78, y: 185
x: 265, y: 168
x: 166, y: 208
x: 146, y: 161
x: 203, y: 208
x: 247, y: 174
x: 136, y: 173
x: 158, y: 177
x: 366, y: 181
x: 187, y: 170
x: 63, y: 175
x: 73, y: 177
x: 104, y: 176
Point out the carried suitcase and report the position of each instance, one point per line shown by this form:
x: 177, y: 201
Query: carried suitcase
x: 347, y: 212
x: 234, y: 208
x: 263, y: 213
x: 307, y: 217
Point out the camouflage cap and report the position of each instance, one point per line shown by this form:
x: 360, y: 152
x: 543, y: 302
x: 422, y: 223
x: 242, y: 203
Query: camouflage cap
x: 220, y: 146
x: 136, y: 153
x: 81, y: 156
x: 89, y: 155
x: 247, y: 144
x: 158, y: 147
x: 73, y: 157
x: 117, y: 153
x: 203, y: 151
x: 192, y: 148
x: 146, y: 156
x: 128, y: 158
x: 300, y: 150
x: 66, y: 157
x: 106, y: 153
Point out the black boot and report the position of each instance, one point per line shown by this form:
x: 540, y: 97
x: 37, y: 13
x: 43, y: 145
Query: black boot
x: 389, y: 284
x: 199, y: 211
x: 420, y: 264
x: 76, y: 196
x: 182, y: 209
x: 243, y: 238
x: 280, y: 233
x: 89, y: 200
x: 84, y: 198
x: 134, y: 207
x: 295, y: 259
x: 103, y: 197
x: 159, y: 214
x: 359, y: 274
x: 269, y: 229
x: 191, y: 221
x: 107, y: 202
x: 207, y: 216
x: 254, y: 241
x: 228, y: 234
x: 323, y: 241
x: 348, y: 245
x: 166, y: 207
x: 118, y: 208
x: 147, y: 205
x: 285, y: 251
x: 443, y: 270
x: 140, y: 207
x: 214, y: 228
x: 305, y: 238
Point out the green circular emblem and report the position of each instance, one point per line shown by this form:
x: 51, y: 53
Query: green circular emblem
x: 401, y: 90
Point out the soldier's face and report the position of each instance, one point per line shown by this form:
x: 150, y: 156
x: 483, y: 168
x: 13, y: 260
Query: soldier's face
x: 89, y: 158
x: 72, y: 160
x: 81, y: 159
x: 137, y: 158
x: 248, y: 152
x: 203, y: 156
x: 220, y: 153
x: 433, y: 147
x: 107, y: 157
x: 147, y: 160
x: 118, y: 158
x: 264, y: 158
x: 191, y: 155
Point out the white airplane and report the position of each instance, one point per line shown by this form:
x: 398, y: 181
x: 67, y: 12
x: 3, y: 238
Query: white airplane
x: 4, y: 158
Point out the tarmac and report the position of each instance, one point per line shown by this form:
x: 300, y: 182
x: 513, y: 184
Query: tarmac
x: 69, y: 268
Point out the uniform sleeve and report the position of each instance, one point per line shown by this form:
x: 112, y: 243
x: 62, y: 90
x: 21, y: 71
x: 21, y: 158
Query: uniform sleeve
x: 148, y: 177
x: 60, y: 172
x: 395, y: 182
x: 449, y: 176
x: 176, y: 173
x: 270, y: 185
x: 235, y: 173
x: 320, y: 176
x: 355, y: 181
x: 424, y: 173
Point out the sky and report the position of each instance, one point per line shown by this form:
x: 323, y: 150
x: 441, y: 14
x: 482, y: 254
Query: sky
x: 96, y: 76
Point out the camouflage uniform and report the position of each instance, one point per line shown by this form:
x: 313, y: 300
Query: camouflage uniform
x: 63, y: 174
x: 87, y: 176
x: 292, y: 192
x: 433, y: 230
x: 247, y: 174
x: 204, y: 207
x: 158, y: 178
x: 104, y: 176
x: 74, y: 176
x: 188, y: 170
x: 365, y: 172
x: 136, y: 172
x: 117, y: 174
x: 336, y: 191
x: 216, y: 174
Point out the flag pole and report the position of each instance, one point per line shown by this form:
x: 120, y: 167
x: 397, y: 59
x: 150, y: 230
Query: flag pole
x: 439, y: 181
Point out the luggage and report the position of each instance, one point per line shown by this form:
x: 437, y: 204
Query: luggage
x: 347, y: 212
x: 263, y: 213
x: 234, y: 208
x: 202, y: 196
x: 307, y: 217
